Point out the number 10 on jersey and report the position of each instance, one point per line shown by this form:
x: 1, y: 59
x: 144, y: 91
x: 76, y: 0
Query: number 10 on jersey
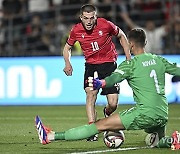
x: 95, y: 46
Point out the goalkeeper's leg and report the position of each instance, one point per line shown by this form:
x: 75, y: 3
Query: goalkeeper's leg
x: 113, y: 122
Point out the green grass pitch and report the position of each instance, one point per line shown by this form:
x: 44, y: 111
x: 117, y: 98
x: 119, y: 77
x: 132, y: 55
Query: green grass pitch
x: 18, y: 134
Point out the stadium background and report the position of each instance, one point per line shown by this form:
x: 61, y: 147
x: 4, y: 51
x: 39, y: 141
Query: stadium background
x: 33, y: 33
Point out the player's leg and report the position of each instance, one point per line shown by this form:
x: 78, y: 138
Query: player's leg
x: 160, y: 140
x: 112, y: 104
x: 115, y: 121
x: 111, y: 93
x: 78, y: 133
x: 155, y: 134
x: 91, y: 96
x: 112, y: 122
x: 161, y: 131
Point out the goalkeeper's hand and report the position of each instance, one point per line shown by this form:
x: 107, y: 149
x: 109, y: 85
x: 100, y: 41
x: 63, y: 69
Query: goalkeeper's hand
x: 96, y: 84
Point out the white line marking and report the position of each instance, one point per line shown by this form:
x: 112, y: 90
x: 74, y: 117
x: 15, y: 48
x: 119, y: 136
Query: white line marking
x: 111, y: 150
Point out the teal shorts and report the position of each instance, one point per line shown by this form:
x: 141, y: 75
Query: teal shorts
x: 136, y: 119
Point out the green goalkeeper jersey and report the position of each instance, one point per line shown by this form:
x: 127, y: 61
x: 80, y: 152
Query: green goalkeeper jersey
x: 145, y: 74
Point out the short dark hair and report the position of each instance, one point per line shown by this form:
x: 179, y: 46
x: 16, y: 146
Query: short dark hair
x: 88, y: 8
x: 138, y: 36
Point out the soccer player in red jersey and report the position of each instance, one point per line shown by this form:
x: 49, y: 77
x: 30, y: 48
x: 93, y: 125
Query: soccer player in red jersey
x: 95, y: 37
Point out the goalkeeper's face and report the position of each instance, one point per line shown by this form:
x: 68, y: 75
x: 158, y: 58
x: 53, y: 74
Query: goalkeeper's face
x: 88, y: 20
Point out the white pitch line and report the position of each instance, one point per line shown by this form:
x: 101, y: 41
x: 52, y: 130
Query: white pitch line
x: 110, y: 150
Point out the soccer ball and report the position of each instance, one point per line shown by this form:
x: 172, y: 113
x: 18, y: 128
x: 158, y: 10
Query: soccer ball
x: 113, y: 139
x: 152, y: 139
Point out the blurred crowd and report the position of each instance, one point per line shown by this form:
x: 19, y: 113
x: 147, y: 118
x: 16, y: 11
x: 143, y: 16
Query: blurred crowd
x: 41, y: 27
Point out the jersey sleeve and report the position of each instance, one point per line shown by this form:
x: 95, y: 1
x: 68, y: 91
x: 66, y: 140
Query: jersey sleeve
x: 123, y: 71
x: 114, y: 30
x: 72, y: 37
x: 171, y: 68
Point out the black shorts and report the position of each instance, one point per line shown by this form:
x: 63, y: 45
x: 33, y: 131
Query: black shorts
x: 103, y: 70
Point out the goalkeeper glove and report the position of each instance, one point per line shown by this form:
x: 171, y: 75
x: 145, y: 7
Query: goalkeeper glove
x: 97, y: 84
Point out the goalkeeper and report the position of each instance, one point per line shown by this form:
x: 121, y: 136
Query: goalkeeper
x: 145, y: 74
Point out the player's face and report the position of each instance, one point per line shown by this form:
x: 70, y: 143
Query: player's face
x: 88, y: 19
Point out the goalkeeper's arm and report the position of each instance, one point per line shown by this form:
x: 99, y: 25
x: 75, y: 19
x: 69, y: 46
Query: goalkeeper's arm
x: 109, y: 81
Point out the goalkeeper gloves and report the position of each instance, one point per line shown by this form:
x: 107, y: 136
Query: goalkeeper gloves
x: 96, y: 83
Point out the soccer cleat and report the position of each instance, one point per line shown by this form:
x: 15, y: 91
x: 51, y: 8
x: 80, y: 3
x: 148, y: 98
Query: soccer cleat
x: 105, y: 114
x: 47, y: 129
x: 92, y: 138
x: 176, y: 141
x: 41, y: 130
